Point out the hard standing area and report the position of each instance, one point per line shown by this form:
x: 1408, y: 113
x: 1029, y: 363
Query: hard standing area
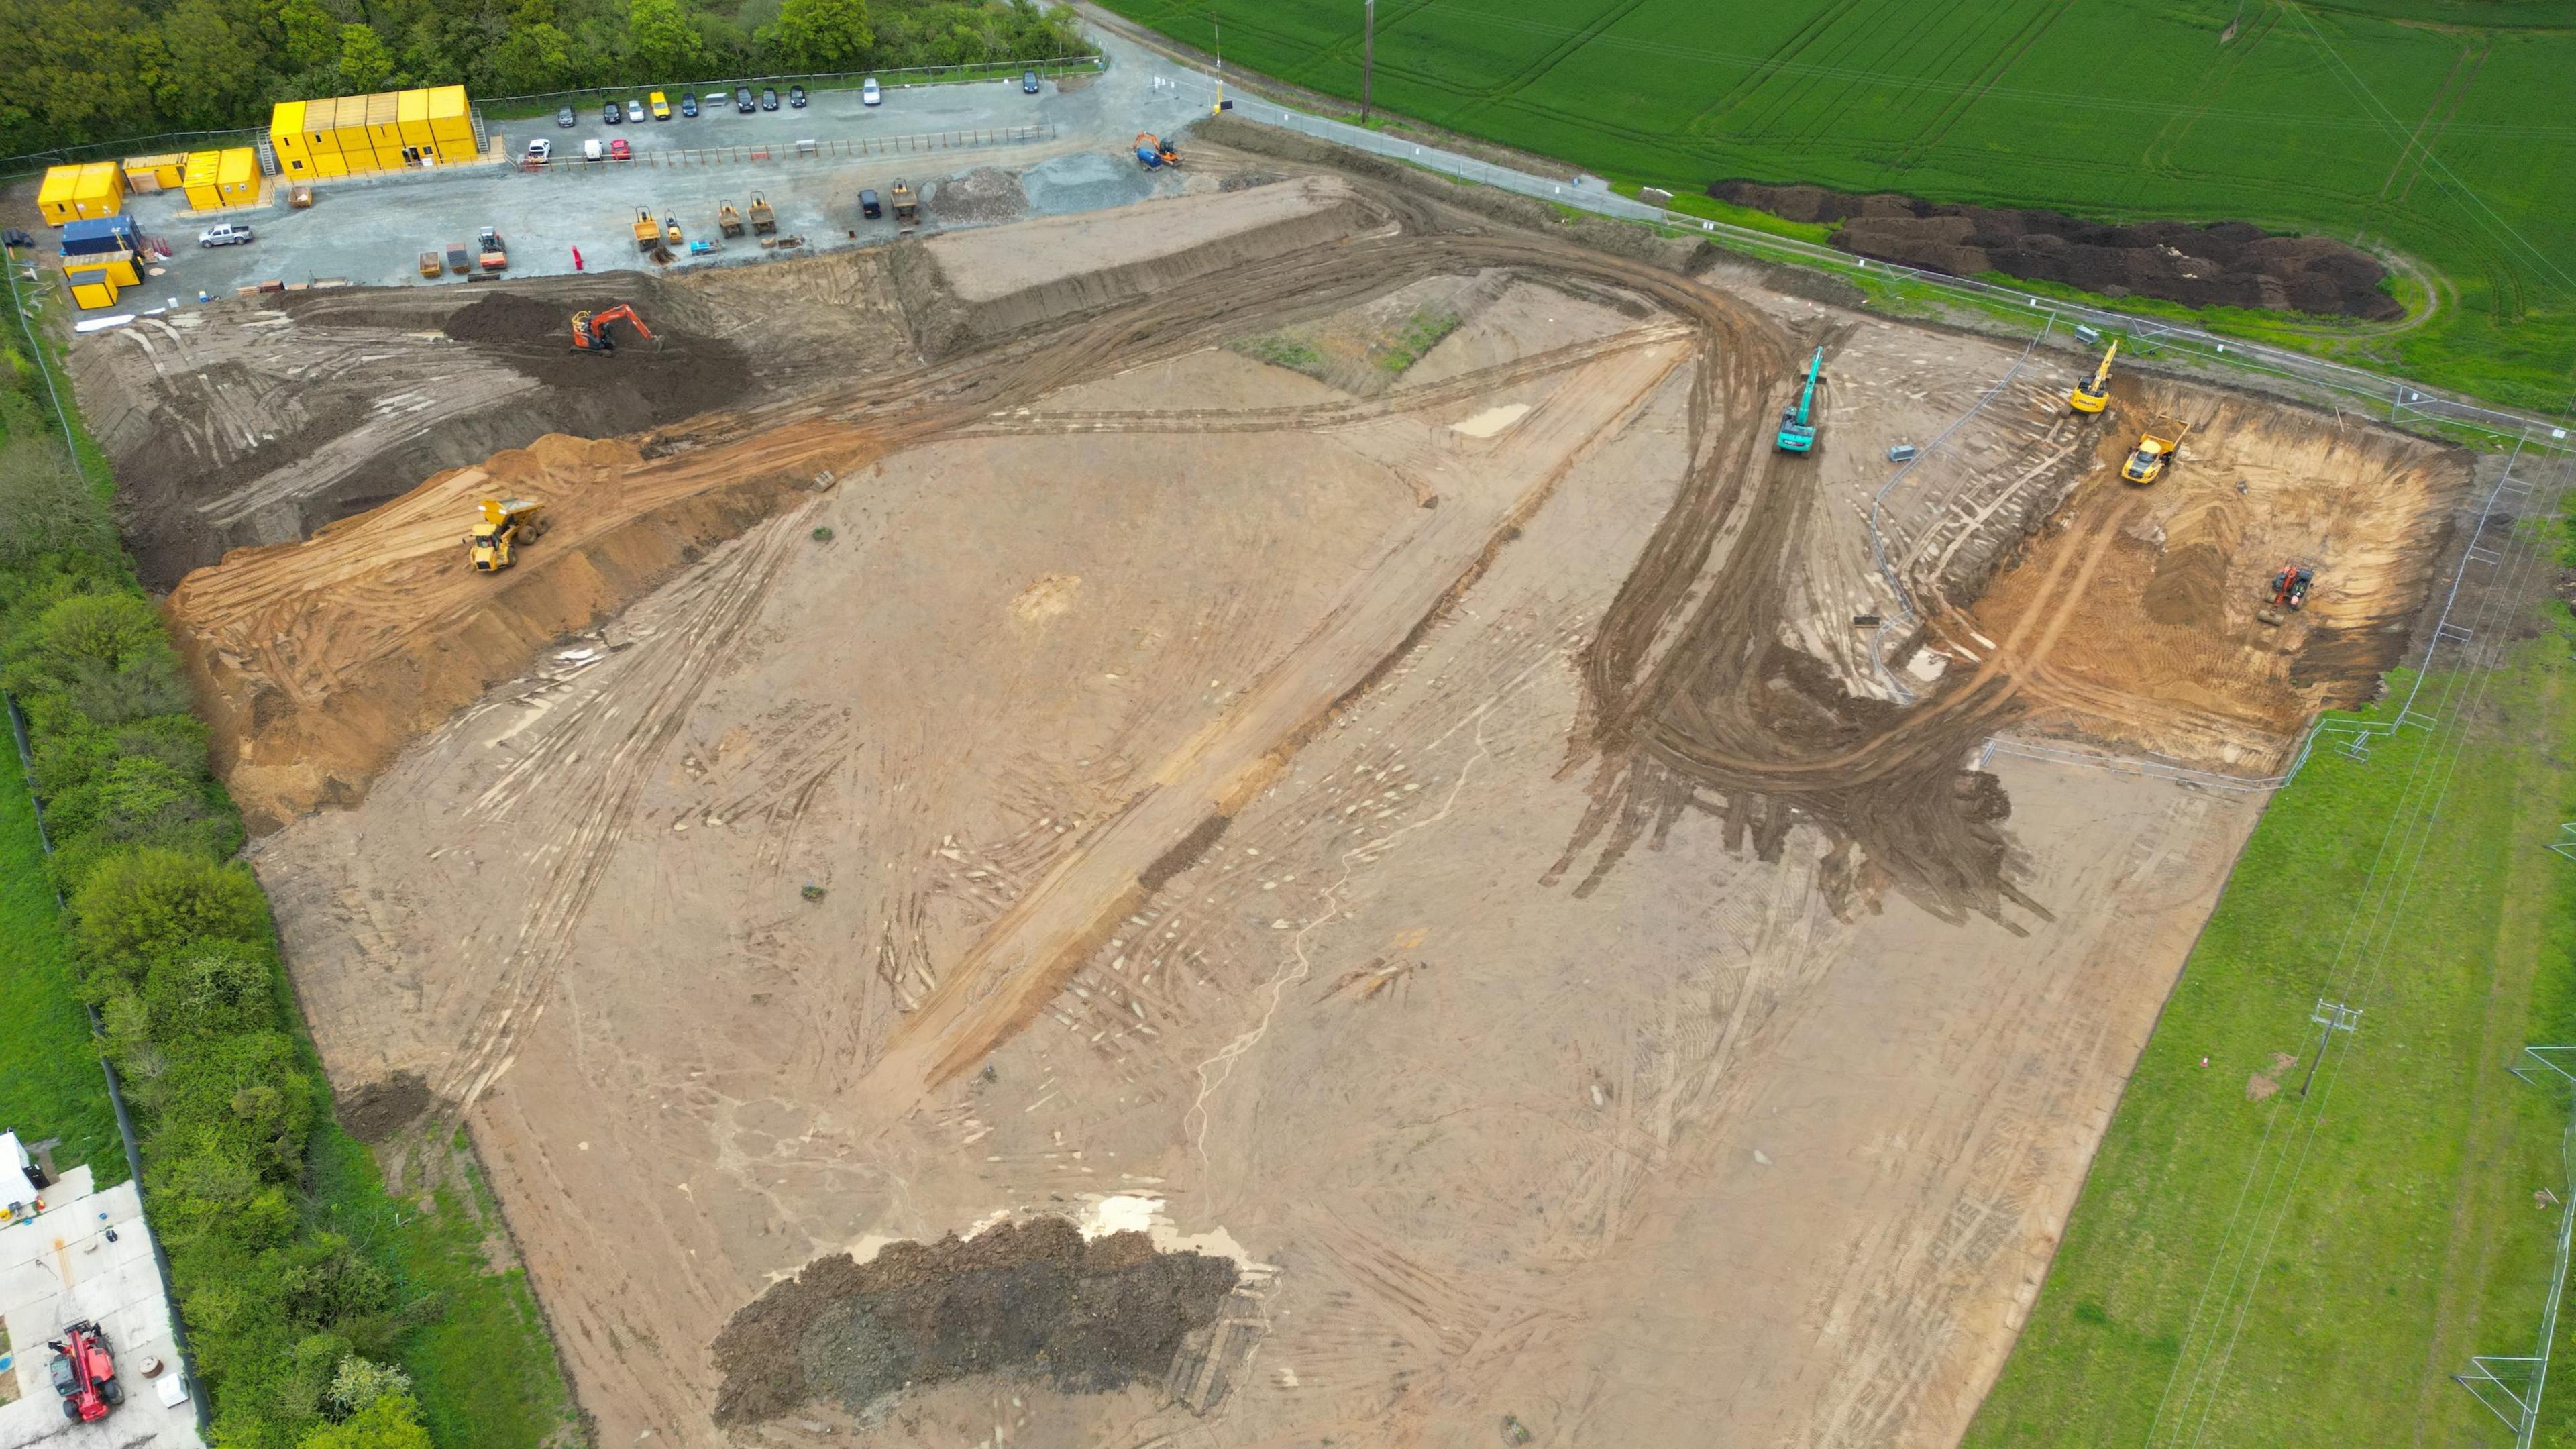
x: 88, y: 1258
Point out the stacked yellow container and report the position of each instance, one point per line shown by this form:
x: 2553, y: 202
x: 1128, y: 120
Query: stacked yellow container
x: 356, y: 146
x: 384, y: 129
x: 98, y: 292
x: 237, y: 177
x: 114, y: 271
x: 203, y: 179
x: 412, y: 110
x: 100, y: 191
x: 286, y: 138
x: 54, y: 198
x: 451, y: 124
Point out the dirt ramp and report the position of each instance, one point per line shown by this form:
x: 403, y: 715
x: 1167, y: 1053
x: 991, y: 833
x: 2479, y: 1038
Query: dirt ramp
x: 1023, y: 1300
x: 968, y: 288
x: 315, y: 662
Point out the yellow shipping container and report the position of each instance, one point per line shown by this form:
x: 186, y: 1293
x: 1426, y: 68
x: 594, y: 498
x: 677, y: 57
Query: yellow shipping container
x: 331, y: 165
x: 390, y: 158
x: 100, y: 293
x: 350, y: 119
x: 451, y: 121
x: 100, y: 190
x: 286, y: 128
x: 237, y: 176
x: 360, y: 162
x: 54, y: 199
x: 116, y: 271
x: 155, y: 173
x: 384, y: 121
x: 413, y: 109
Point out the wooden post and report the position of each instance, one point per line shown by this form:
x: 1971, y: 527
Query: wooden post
x: 1368, y: 54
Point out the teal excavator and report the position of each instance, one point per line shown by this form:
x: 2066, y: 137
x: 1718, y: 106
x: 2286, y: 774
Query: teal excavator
x: 1797, y: 433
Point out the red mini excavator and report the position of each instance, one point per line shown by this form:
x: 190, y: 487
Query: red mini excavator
x: 590, y: 329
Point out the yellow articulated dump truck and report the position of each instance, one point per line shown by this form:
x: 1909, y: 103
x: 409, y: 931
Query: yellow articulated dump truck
x: 505, y: 525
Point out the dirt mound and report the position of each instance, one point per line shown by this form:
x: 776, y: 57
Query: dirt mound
x: 640, y: 385
x: 981, y: 197
x: 1029, y: 1299
x: 2226, y: 263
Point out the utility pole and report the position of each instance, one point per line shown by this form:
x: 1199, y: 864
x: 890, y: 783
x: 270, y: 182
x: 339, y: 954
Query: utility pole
x: 1368, y: 55
x: 1219, y: 27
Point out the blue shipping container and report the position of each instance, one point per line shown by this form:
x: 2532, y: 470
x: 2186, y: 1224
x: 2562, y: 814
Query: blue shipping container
x: 104, y: 234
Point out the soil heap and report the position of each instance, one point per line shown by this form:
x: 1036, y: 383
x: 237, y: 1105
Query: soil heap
x: 1023, y: 1298
x: 2225, y: 263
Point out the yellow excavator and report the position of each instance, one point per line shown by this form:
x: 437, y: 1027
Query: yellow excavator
x: 2092, y: 394
x: 506, y: 523
x: 648, y: 234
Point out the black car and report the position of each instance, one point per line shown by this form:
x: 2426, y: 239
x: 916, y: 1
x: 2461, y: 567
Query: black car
x: 768, y: 98
x: 564, y: 116
x: 612, y: 113
x: 868, y: 206
x: 1028, y: 82
x: 742, y: 100
x: 796, y: 97
x: 689, y: 106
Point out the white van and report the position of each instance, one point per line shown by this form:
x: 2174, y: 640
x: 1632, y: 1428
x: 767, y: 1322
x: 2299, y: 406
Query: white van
x: 590, y: 149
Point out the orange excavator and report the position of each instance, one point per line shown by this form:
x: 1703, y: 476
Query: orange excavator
x: 590, y: 329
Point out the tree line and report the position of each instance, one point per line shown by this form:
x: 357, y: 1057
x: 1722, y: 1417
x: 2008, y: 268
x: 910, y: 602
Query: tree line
x: 79, y: 71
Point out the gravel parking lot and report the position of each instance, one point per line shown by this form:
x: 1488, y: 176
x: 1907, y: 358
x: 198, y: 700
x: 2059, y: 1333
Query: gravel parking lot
x: 371, y: 232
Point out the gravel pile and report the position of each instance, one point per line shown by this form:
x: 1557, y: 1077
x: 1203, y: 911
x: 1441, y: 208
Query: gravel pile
x: 980, y: 197
x: 1085, y: 181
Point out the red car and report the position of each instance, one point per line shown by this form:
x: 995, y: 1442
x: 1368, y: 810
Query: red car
x: 618, y: 150
x: 85, y: 1373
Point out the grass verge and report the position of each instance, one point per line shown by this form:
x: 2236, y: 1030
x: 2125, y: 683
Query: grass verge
x: 52, y: 1085
x: 2249, y: 1266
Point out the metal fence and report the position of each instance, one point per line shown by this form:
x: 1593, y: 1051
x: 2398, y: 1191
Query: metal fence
x: 799, y: 150
x: 542, y: 102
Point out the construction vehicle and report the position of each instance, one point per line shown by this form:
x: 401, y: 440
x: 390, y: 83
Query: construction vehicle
x: 494, y: 256
x: 1154, y: 153
x: 647, y: 232
x: 2157, y: 444
x: 505, y: 525
x: 84, y: 1373
x: 590, y: 329
x: 763, y: 220
x: 728, y: 220
x: 907, y: 207
x: 1797, y: 425
x: 458, y: 262
x: 2092, y: 394
x: 431, y: 267
x: 2289, y: 592
x: 671, y: 231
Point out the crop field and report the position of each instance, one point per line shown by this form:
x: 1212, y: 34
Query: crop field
x: 2408, y: 123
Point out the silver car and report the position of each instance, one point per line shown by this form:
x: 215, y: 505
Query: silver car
x: 635, y: 110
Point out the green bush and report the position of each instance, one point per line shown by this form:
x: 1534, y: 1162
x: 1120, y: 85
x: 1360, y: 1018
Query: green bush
x: 155, y: 904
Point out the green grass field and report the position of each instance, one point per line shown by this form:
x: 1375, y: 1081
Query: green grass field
x: 2280, y: 1271
x: 2427, y: 123
x: 50, y: 1081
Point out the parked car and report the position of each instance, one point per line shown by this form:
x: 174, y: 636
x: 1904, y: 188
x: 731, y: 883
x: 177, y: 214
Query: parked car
x: 689, y: 107
x: 564, y: 117
x: 869, y: 95
x: 618, y: 150
x: 225, y: 235
x: 868, y: 205
x: 796, y: 97
x: 742, y: 100
x: 612, y: 113
x: 769, y: 98
x: 1028, y: 82
x: 541, y: 150
x: 592, y: 149
x: 661, y: 107
x: 635, y: 110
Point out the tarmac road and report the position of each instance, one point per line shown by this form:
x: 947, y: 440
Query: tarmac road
x: 371, y: 232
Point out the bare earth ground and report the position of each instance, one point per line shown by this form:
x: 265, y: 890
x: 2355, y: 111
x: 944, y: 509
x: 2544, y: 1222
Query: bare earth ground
x: 1448, y: 849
